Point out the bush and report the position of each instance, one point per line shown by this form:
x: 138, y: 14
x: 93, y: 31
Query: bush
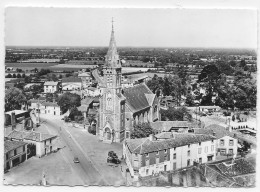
x: 226, y: 113
x: 92, y: 129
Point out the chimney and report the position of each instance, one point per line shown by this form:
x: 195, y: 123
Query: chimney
x: 151, y: 137
x: 13, y: 121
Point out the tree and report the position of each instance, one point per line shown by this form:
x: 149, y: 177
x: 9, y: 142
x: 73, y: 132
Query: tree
x: 190, y: 100
x: 19, y: 75
x: 210, y: 77
x: 242, y: 63
x: 233, y: 118
x: 225, y: 68
x: 14, y: 98
x: 23, y: 75
x: 14, y: 75
x: 175, y: 114
x: 36, y: 89
x: 68, y: 101
x: 9, y: 75
x: 155, y: 84
x: 27, y: 79
x: 142, y: 130
x: 51, y: 96
x: 74, y: 113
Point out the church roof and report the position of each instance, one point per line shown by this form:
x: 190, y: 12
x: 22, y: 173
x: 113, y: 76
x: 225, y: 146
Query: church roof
x: 136, y: 97
x: 112, y: 57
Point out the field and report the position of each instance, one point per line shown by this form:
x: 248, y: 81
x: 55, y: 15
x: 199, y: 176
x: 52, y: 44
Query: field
x: 67, y: 67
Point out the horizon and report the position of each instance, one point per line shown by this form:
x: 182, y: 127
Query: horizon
x: 161, y: 28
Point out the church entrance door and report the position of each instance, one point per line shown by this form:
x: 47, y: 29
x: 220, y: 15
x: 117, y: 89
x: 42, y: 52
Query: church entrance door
x: 107, y: 134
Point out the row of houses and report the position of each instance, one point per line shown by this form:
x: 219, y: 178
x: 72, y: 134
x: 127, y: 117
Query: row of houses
x: 169, y: 151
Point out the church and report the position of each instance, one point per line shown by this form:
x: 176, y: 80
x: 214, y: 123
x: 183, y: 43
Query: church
x: 121, y: 108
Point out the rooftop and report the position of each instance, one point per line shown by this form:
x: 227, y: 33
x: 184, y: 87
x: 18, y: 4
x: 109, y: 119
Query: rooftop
x: 71, y: 80
x: 50, y: 104
x: 218, y: 130
x: 145, y: 145
x: 136, y: 97
x: 32, y: 135
x: 168, y: 125
x: 11, y: 145
x: 51, y: 83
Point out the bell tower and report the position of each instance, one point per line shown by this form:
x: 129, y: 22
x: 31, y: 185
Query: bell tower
x: 111, y: 114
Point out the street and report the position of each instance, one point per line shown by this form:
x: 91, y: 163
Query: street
x: 92, y: 168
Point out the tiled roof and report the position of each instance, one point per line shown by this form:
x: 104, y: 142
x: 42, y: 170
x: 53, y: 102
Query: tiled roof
x: 240, y: 167
x: 19, y: 135
x: 87, y: 101
x: 71, y: 79
x: 36, y: 101
x: 30, y: 135
x: 11, y: 145
x: 219, y: 131
x: 135, y: 97
x: 145, y: 145
x: 83, y: 108
x: 50, y: 104
x: 52, y: 83
x: 167, y: 125
x: 36, y: 136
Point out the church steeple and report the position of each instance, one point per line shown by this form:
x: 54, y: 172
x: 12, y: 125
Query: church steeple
x: 112, y: 57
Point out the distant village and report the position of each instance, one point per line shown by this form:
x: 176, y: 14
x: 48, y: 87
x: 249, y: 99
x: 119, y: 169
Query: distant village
x: 125, y: 105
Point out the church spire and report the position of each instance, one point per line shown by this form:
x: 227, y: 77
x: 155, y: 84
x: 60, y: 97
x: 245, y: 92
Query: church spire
x: 112, y: 57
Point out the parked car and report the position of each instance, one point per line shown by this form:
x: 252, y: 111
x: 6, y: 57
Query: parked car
x: 76, y: 160
x: 113, y: 158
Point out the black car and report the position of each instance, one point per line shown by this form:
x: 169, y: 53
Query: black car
x: 113, y: 160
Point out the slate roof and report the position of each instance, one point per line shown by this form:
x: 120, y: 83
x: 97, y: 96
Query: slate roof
x: 11, y: 145
x: 145, y: 145
x: 136, y: 98
x: 34, y: 136
x: 219, y: 131
x: 167, y: 125
x: 51, y: 83
x: 71, y: 80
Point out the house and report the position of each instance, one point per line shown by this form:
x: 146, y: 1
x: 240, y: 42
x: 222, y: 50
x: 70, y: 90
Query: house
x: 50, y: 108
x: 15, y: 152
x: 91, y: 92
x: 71, y: 84
x: 43, y: 143
x: 36, y: 103
x: 227, y: 142
x: 86, y: 78
x: 51, y: 87
x: 167, y: 152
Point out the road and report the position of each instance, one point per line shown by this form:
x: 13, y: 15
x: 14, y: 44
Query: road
x: 85, y: 169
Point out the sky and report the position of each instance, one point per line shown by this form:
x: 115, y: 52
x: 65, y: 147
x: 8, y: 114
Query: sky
x: 224, y: 28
